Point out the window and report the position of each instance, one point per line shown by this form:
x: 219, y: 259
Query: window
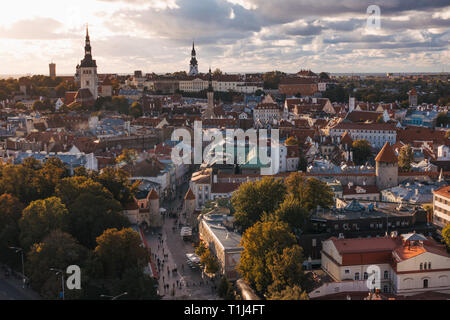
x: 386, y: 274
x: 366, y: 276
x: 421, y: 266
x: 347, y: 271
x: 425, y: 283
x: 357, y: 276
x: 429, y: 265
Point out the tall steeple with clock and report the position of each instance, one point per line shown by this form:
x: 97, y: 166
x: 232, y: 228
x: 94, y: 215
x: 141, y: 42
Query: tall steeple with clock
x: 193, y: 66
x: 87, y: 70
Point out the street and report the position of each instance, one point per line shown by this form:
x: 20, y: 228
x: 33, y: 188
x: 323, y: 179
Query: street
x: 11, y: 289
x: 171, y: 250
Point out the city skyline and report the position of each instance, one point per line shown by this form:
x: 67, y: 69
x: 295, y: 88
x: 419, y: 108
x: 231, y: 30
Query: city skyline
x: 233, y: 35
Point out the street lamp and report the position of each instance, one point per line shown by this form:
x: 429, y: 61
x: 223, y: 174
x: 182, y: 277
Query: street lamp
x: 113, y: 298
x: 23, y: 266
x: 58, y: 271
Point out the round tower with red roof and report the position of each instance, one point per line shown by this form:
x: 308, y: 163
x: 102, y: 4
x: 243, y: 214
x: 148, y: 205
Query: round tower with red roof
x: 386, y: 167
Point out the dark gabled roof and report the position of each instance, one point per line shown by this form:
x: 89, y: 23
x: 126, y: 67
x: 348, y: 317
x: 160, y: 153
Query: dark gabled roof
x: 83, y: 95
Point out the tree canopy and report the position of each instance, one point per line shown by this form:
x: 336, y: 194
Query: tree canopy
x: 40, y: 218
x: 136, y: 110
x: 309, y: 192
x: 92, y: 208
x: 57, y: 250
x: 446, y: 235
x: 361, y: 151
x: 10, y: 213
x: 254, y: 198
x: 405, y: 158
x: 119, y: 251
x: 262, y: 243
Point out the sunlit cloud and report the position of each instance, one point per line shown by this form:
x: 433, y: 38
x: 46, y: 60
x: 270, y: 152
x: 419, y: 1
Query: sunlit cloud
x: 233, y: 35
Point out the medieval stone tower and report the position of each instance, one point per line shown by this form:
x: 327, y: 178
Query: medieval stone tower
x: 189, y: 208
x: 386, y: 168
x: 209, y: 112
x: 155, y: 215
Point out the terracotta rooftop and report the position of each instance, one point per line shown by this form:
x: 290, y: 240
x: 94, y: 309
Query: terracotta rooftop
x: 364, y: 245
x: 444, y: 191
x: 153, y: 195
x: 387, y: 154
x: 189, y: 195
x: 346, y: 139
x: 406, y: 252
x: 361, y: 116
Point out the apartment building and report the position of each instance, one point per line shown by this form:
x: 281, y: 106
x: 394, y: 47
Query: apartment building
x: 441, y: 206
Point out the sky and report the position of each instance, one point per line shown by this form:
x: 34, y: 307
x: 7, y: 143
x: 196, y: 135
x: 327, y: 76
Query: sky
x: 232, y: 35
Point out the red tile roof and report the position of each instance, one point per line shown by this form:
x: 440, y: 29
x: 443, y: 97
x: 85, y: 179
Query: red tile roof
x: 412, y: 134
x: 346, y: 139
x: 362, y: 116
x: 153, y: 195
x: 189, y: 195
x: 444, y: 191
x: 365, y: 245
x: 387, y: 154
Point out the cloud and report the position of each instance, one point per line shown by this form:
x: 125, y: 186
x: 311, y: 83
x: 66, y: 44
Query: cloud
x: 249, y: 35
x: 37, y: 28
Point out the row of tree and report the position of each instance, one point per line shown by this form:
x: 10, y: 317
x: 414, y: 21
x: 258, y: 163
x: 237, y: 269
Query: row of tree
x: 61, y: 220
x: 272, y: 214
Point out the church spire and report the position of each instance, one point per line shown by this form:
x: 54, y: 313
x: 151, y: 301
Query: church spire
x: 210, y: 86
x: 193, y: 66
x: 87, y: 47
x: 88, y: 61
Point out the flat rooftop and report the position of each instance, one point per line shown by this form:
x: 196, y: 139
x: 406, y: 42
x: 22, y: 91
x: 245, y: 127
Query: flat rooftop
x: 228, y: 239
x: 365, y: 210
